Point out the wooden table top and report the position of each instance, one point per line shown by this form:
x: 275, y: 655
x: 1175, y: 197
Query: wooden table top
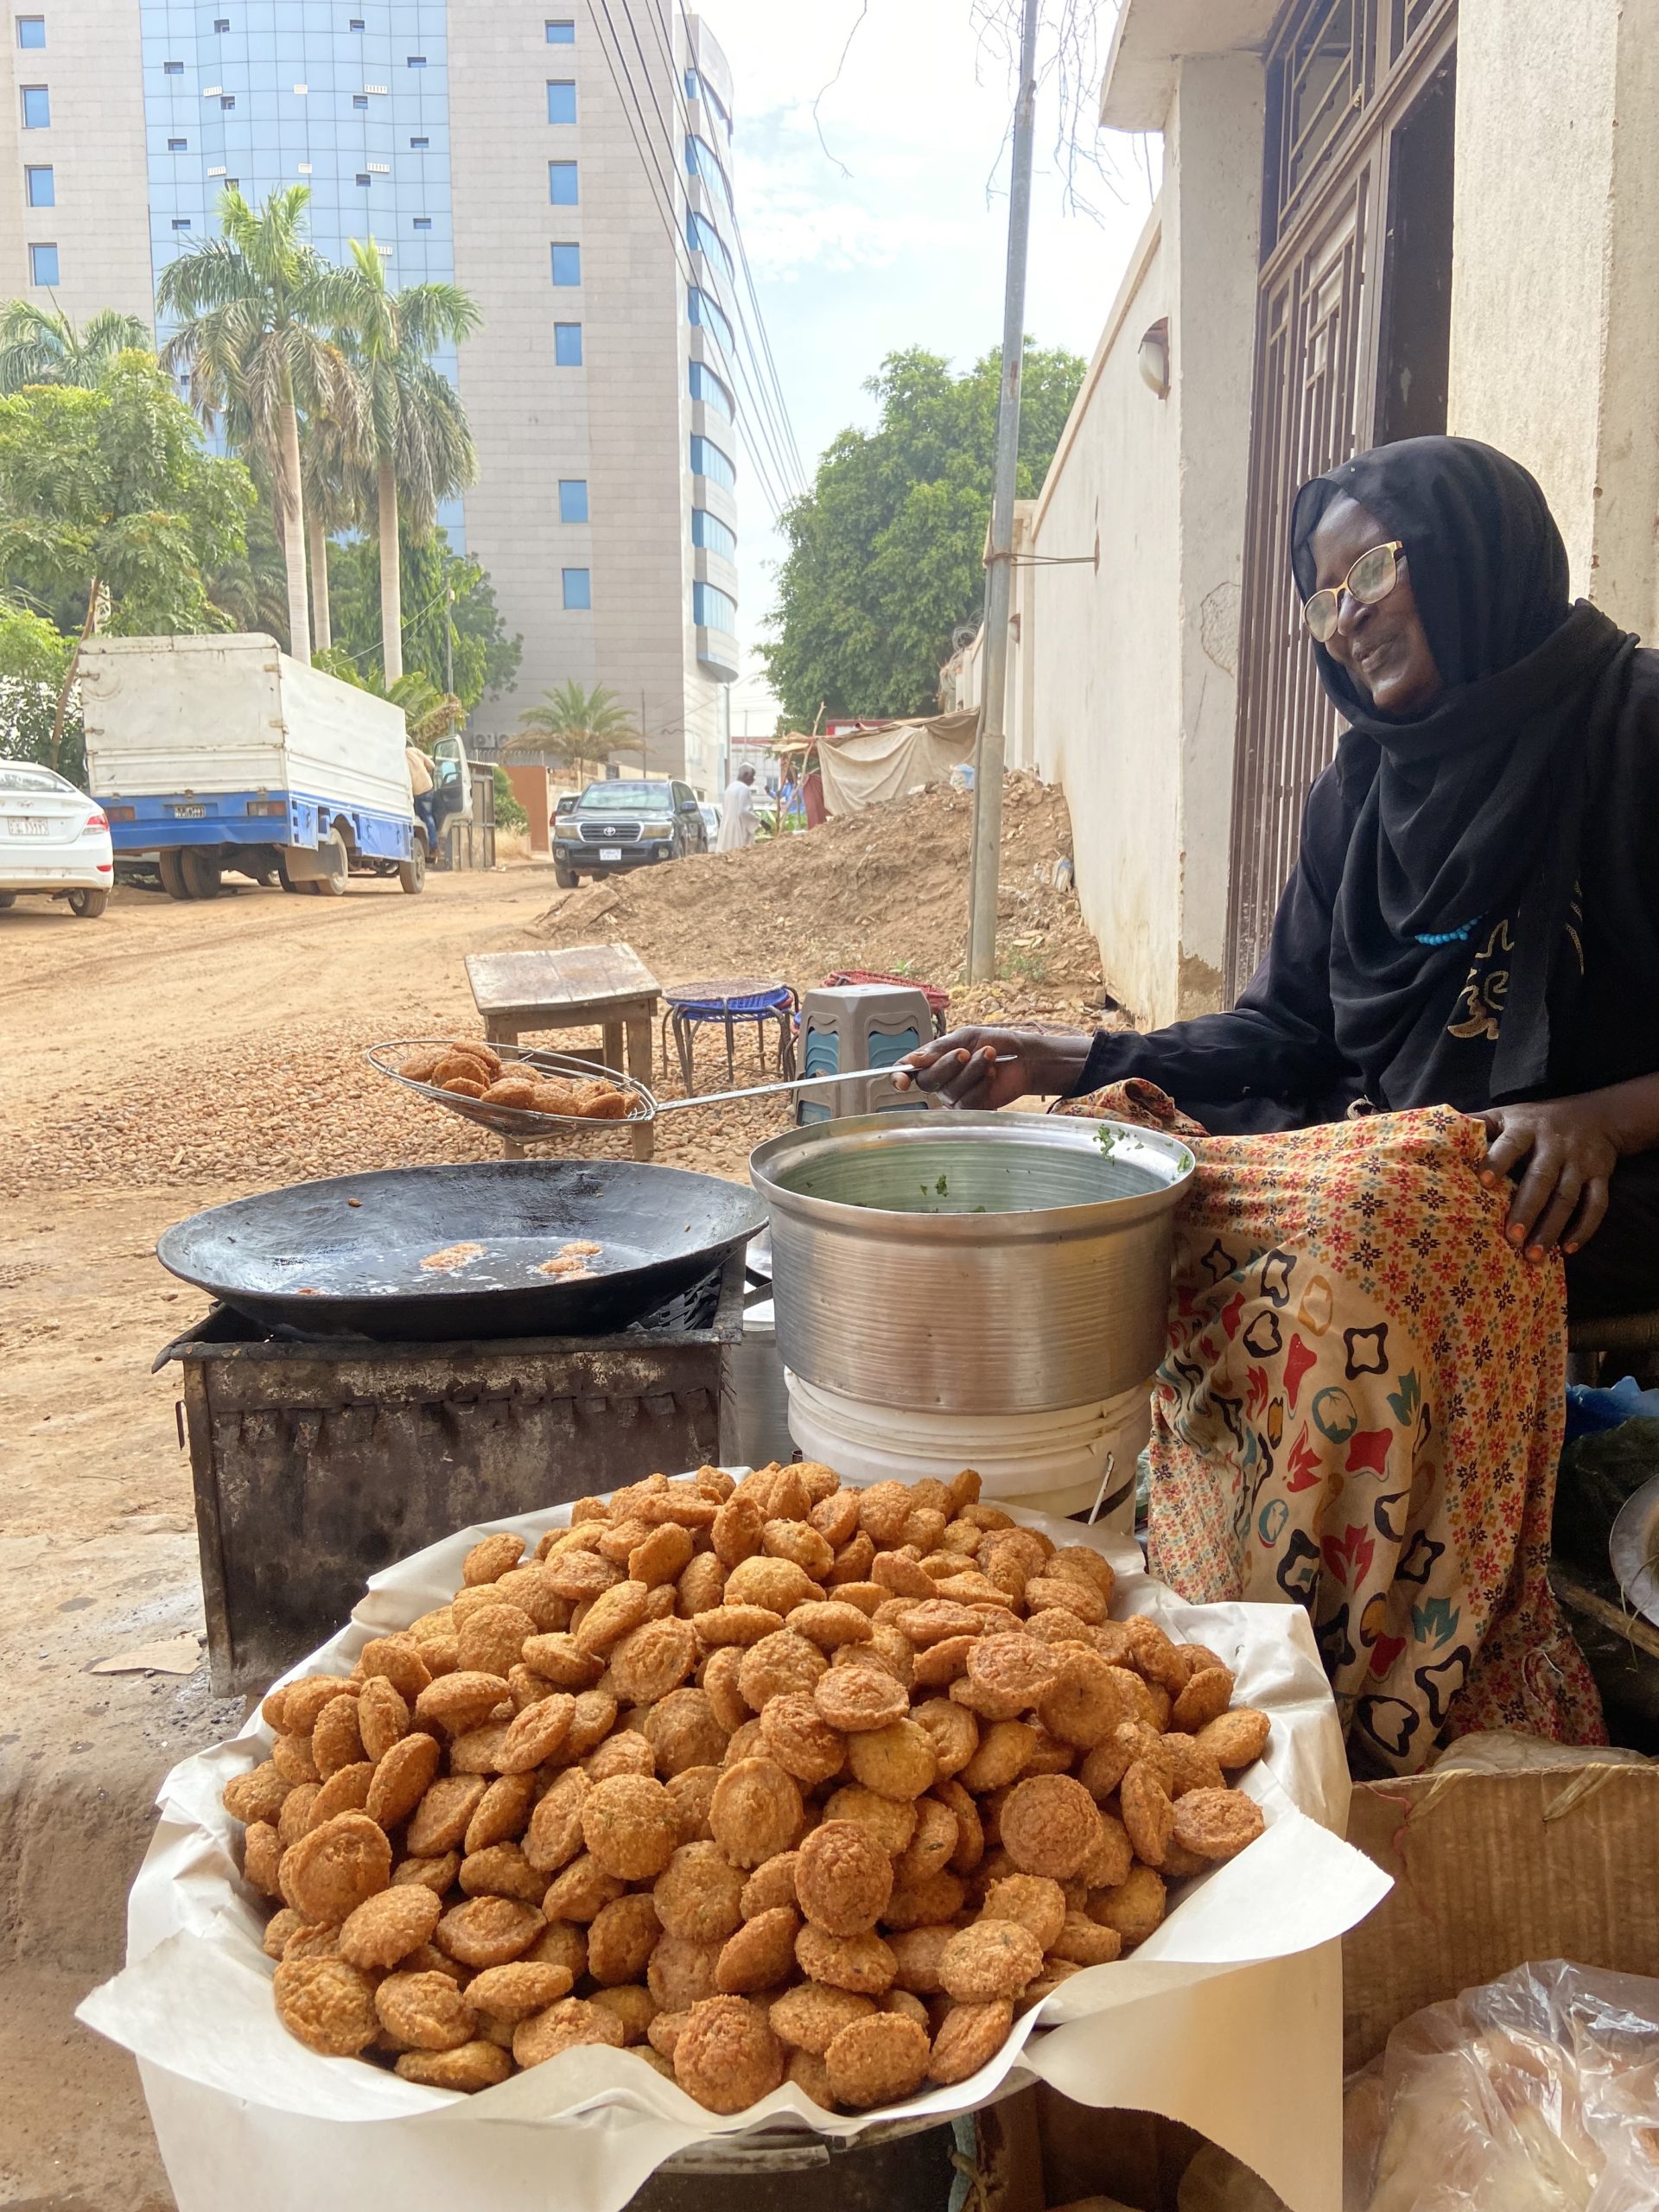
x: 582, y: 976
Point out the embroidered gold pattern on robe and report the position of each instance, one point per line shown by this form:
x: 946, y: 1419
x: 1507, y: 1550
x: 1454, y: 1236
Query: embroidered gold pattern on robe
x: 1480, y: 1002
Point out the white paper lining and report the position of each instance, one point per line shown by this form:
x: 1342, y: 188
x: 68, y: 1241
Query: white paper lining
x: 244, y: 2113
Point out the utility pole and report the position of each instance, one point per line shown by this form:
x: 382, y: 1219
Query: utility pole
x: 448, y: 638
x: 992, y: 750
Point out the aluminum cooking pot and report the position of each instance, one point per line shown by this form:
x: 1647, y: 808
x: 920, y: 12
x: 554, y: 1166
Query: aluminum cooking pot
x: 972, y: 1262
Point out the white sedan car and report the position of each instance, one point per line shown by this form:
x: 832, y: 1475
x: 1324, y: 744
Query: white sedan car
x: 54, y: 841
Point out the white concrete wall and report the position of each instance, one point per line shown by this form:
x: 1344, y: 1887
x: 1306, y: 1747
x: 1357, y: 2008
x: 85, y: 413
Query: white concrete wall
x: 1106, y: 677
x: 1122, y: 681
x: 1212, y: 148
x: 1556, y: 272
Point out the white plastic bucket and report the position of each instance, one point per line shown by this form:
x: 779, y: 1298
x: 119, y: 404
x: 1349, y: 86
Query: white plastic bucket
x: 1050, y: 1462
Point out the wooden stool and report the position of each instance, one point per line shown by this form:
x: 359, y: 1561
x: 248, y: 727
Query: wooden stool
x: 603, y: 985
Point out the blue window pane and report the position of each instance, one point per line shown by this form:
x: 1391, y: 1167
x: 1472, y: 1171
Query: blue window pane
x: 707, y: 460
x: 180, y: 222
x: 178, y: 145
x: 419, y: 145
x: 567, y: 345
x: 37, y: 108
x: 701, y: 309
x: 561, y: 183
x: 423, y: 222
x: 713, y: 609
x: 43, y: 264
x: 227, y: 99
x: 704, y: 238
x: 173, y: 68
x: 417, y: 62
x: 43, y: 188
x: 31, y: 30
x: 567, y: 264
x: 561, y: 100
x: 359, y: 99
x: 573, y: 499
x: 708, y: 531
x: 707, y: 387
x: 578, y: 588
x: 691, y: 84
x: 562, y: 32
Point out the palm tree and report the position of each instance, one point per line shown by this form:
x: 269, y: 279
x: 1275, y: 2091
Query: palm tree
x: 576, y: 726
x: 416, y: 438
x: 40, y: 345
x: 333, y: 502
x: 253, y: 305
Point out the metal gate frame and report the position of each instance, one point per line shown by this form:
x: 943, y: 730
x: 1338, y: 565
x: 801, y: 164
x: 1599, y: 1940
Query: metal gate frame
x: 1321, y: 302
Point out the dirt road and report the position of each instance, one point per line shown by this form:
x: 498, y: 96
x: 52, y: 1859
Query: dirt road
x: 159, y: 1060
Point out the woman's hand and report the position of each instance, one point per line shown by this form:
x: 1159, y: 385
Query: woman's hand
x: 963, y: 1068
x: 1565, y: 1150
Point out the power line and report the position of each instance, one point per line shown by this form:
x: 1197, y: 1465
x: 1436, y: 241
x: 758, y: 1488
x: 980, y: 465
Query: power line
x: 766, y: 376
x: 780, y: 432
x: 663, y: 201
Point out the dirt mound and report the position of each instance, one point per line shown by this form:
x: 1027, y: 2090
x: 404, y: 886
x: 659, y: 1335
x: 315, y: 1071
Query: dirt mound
x: 887, y: 890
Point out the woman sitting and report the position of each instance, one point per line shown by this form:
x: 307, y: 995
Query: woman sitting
x: 1438, y: 1087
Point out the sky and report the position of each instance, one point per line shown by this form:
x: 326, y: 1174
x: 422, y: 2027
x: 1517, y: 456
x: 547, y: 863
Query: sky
x: 891, y: 231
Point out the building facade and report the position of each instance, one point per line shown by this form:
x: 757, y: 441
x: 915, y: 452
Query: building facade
x: 566, y: 163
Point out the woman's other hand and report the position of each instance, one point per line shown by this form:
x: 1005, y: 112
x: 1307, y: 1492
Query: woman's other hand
x: 985, y: 1069
x: 1562, y: 1152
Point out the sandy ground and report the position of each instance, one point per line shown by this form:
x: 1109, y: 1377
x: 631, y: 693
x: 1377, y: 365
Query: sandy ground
x: 162, y: 1059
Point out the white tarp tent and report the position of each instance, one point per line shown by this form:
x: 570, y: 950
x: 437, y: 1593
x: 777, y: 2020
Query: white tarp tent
x: 868, y: 766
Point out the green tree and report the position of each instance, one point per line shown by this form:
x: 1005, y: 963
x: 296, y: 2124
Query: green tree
x: 414, y: 435
x: 884, y: 556
x: 253, y: 305
x: 35, y: 662
x: 42, y: 345
x: 577, y: 726
x: 453, y: 621
x: 509, y: 815
x: 112, y: 515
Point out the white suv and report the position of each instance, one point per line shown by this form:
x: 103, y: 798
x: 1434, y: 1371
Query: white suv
x: 54, y: 841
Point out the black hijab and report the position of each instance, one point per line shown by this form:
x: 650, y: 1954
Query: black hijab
x: 1477, y: 812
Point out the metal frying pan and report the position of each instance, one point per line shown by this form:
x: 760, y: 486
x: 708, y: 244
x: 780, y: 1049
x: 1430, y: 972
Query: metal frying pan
x: 344, y: 1257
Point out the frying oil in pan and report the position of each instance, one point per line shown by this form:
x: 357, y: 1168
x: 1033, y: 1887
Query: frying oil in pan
x: 512, y: 1262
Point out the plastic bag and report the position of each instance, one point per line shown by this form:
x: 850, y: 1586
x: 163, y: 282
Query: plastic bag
x: 1539, y: 2093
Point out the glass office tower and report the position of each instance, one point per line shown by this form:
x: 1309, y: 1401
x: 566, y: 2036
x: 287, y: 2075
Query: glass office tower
x: 588, y: 208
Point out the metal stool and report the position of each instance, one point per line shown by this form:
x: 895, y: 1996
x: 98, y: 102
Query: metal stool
x: 861, y: 1025
x: 757, y: 998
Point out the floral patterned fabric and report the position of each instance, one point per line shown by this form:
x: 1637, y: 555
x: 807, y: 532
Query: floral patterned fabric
x: 1361, y: 1412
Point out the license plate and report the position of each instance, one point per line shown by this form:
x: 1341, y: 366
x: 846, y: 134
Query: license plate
x: 28, y: 825
x: 187, y: 813
x: 610, y: 852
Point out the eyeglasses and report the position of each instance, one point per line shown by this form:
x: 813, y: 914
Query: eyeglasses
x: 1372, y: 577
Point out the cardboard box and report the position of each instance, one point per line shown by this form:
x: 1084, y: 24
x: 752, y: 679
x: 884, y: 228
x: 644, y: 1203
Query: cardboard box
x: 1492, y: 1870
